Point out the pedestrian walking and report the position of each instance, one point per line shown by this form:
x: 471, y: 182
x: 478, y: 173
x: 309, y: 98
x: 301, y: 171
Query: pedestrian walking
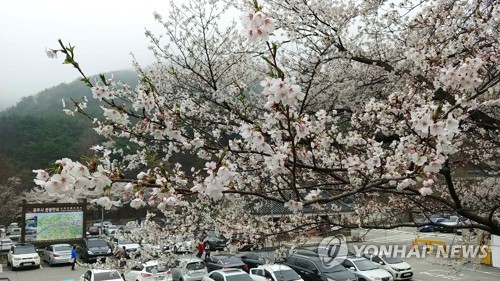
x: 73, y: 257
x: 201, y: 249
x: 207, y: 249
x: 123, y: 257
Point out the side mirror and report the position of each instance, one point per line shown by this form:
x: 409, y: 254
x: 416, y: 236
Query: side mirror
x: 381, y: 262
x: 315, y: 271
x: 352, y: 268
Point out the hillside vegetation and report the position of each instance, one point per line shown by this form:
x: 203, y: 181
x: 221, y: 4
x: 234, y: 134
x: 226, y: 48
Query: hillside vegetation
x: 36, y: 132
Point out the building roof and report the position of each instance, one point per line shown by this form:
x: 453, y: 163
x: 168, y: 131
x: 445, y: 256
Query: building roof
x: 273, y: 208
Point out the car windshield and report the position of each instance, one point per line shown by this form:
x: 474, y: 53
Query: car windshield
x: 239, y: 277
x: 156, y: 269
x: 24, y: 250
x: 97, y: 243
x: 364, y: 265
x: 391, y: 260
x: 62, y: 248
x: 103, y: 276
x: 195, y: 266
x: 286, y: 275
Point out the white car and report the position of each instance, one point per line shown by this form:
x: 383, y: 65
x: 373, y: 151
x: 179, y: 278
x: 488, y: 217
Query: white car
x: 184, y: 246
x: 149, y: 271
x: 15, y: 234
x: 23, y: 255
x: 189, y: 269
x: 131, y: 247
x: 364, y: 269
x: 399, y: 269
x: 5, y: 244
x: 227, y: 275
x: 279, y: 272
x: 101, y: 275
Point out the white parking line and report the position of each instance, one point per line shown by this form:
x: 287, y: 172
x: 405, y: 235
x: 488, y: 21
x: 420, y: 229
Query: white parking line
x: 1, y: 268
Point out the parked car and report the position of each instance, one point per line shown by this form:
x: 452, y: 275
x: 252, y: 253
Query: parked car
x: 110, y: 229
x: 101, y: 275
x: 430, y: 227
x: 313, y: 268
x: 244, y: 242
x: 93, y: 230
x: 149, y: 271
x: 450, y: 224
x: 23, y: 255
x: 132, y: 248
x: 57, y: 254
x: 11, y: 226
x: 3, y: 229
x: 93, y: 249
x: 275, y: 272
x: 215, y: 241
x: 189, y: 269
x: 399, y: 269
x: 184, y: 246
x: 5, y: 244
x: 15, y: 233
x: 256, y: 259
x: 227, y: 275
x: 223, y: 262
x: 364, y: 269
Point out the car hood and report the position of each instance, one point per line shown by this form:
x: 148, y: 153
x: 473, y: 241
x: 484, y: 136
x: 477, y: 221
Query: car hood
x: 341, y: 275
x: 375, y: 273
x: 400, y: 265
x: 448, y: 223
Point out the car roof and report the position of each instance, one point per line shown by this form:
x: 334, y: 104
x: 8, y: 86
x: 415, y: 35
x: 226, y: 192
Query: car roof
x: 189, y: 259
x: 229, y: 271
x: 103, y: 270
x: 274, y: 267
x: 60, y: 245
x: 355, y: 259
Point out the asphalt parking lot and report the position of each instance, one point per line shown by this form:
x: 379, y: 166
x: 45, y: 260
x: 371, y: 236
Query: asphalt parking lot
x: 425, y: 269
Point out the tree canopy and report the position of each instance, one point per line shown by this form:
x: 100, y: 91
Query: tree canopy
x: 305, y: 103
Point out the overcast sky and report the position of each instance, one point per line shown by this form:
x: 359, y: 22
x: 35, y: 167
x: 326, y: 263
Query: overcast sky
x: 104, y: 32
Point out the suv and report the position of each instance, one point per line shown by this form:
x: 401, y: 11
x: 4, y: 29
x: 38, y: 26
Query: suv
x: 94, y: 249
x: 313, y: 268
x: 23, y: 255
x: 188, y: 269
x: 366, y: 270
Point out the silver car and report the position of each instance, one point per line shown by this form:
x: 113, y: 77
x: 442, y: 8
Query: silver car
x: 57, y: 254
x: 188, y: 269
x: 5, y: 244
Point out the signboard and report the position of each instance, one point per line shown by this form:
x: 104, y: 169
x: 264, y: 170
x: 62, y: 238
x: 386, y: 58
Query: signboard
x: 53, y: 222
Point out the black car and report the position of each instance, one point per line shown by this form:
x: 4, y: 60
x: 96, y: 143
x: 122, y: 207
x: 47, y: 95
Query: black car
x: 94, y: 249
x: 215, y: 241
x: 315, y: 268
x: 224, y: 262
x: 254, y: 259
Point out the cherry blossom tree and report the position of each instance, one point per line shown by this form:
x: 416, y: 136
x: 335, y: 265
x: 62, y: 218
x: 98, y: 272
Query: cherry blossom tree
x: 392, y: 104
x: 11, y: 199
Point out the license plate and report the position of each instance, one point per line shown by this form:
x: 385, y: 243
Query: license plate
x: 27, y: 263
x: 407, y: 274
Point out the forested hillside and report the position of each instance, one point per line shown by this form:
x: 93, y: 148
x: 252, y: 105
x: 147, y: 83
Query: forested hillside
x: 36, y: 132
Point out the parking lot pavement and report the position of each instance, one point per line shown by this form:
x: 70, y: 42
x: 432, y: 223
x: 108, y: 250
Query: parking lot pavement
x: 44, y: 273
x: 406, y: 235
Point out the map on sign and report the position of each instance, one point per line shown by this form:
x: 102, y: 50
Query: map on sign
x: 54, y: 226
